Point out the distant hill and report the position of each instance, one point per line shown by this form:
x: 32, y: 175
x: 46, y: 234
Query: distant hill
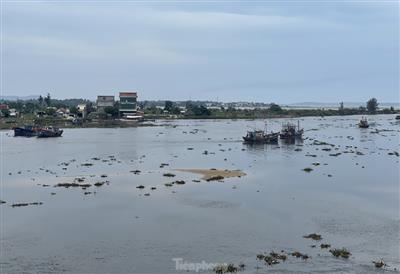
x: 336, y: 105
x: 16, y: 98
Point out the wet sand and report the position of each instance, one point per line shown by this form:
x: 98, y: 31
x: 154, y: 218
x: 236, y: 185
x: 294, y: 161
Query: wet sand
x: 214, y: 173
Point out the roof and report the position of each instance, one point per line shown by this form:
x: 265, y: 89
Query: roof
x: 128, y: 94
x: 3, y: 106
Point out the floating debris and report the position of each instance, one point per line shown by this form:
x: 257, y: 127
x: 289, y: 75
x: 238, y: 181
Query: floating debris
x: 311, y: 155
x: 135, y: 171
x: 140, y: 187
x: 99, y: 183
x: 179, y: 182
x: 325, y: 246
x: 103, y: 175
x: 379, y: 264
x: 215, y: 178
x: 67, y: 185
x: 313, y: 236
x: 153, y: 188
x: 2, y: 202
x: 308, y: 169
x: 147, y: 194
x: 168, y: 184
x: 343, y: 252
x: 169, y: 175
x: 26, y: 204
x: 300, y: 255
x: 87, y: 164
x: 228, y: 268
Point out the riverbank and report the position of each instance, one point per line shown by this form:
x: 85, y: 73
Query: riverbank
x: 9, y: 123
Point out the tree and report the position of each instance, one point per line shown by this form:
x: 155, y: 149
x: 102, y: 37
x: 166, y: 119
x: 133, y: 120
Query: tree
x: 5, y: 112
x: 40, y: 99
x: 73, y: 110
x: 113, y: 111
x: 50, y: 111
x: 169, y: 105
x: 275, y: 108
x: 372, y: 105
x: 47, y: 99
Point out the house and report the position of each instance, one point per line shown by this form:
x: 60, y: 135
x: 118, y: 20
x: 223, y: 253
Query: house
x: 62, y: 112
x: 82, y: 110
x: 104, y: 101
x: 4, y: 107
x: 13, y: 112
x: 127, y: 103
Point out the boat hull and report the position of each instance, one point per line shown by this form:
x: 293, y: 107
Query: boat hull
x: 49, y: 133
x: 270, y: 139
x: 24, y: 132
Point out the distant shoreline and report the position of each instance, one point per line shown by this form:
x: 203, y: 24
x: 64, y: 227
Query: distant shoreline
x: 8, y: 125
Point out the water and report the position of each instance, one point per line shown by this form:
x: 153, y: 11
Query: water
x: 351, y: 200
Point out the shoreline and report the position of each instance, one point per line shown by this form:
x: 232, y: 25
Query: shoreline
x: 8, y: 125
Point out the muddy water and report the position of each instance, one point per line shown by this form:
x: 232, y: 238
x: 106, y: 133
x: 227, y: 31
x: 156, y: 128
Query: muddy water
x: 351, y: 199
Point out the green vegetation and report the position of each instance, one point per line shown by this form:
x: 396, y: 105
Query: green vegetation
x: 47, y: 107
x: 372, y: 105
x: 112, y: 111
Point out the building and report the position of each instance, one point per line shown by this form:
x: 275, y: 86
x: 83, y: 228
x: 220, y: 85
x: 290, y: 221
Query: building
x: 13, y: 112
x: 104, y: 101
x: 127, y: 103
x: 82, y: 110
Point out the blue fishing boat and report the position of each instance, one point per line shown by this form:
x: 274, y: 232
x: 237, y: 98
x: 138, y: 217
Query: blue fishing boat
x: 26, y: 131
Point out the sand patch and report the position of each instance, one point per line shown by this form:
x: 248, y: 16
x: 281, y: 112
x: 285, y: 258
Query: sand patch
x: 209, y: 174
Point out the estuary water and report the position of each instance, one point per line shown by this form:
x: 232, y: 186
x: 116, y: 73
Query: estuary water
x: 350, y: 197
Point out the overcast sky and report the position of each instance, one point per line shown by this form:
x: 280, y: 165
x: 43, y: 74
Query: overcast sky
x: 285, y: 52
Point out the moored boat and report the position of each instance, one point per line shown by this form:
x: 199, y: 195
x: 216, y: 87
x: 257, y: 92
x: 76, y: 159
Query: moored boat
x: 363, y: 123
x: 26, y: 131
x: 290, y: 131
x: 259, y: 136
x: 49, y: 132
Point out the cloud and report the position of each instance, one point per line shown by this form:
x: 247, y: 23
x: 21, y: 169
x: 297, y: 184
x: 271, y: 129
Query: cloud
x: 189, y: 49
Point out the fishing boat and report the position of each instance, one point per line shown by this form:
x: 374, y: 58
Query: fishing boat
x: 48, y: 132
x: 363, y: 123
x: 26, y: 131
x: 261, y: 136
x: 291, y: 131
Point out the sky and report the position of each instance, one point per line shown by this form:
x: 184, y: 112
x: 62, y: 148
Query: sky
x: 266, y: 51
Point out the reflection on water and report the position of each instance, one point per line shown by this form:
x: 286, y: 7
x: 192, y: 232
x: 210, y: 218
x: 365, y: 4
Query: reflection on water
x: 350, y: 197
